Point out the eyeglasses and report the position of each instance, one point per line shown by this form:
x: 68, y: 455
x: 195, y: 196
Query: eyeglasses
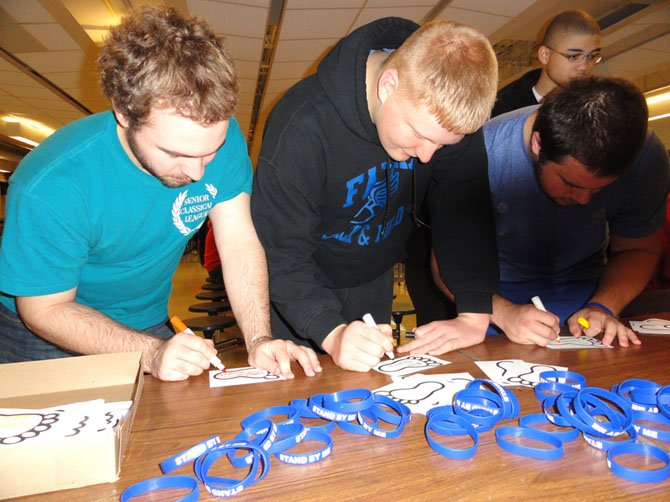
x: 593, y: 58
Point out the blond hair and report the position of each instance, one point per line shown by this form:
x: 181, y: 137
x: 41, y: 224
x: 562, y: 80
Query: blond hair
x: 451, y: 69
x: 159, y: 58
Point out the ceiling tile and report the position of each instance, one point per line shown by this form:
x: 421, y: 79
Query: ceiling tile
x: 295, y: 70
x: 303, y: 50
x: 53, y: 36
x: 247, y: 69
x: 486, y: 23
x: 27, y: 11
x: 56, y: 61
x: 508, y: 8
x: 230, y: 18
x: 244, y: 47
x: 319, y: 4
x: 416, y: 14
x: 305, y: 24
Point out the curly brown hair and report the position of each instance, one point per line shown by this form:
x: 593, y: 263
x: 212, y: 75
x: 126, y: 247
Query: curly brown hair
x: 159, y: 58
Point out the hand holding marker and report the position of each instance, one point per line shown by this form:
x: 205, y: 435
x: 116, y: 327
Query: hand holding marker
x: 540, y: 306
x: 180, y: 327
x: 367, y: 319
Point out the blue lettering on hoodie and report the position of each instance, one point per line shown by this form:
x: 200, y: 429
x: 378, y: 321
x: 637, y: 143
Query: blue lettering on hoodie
x: 369, y: 192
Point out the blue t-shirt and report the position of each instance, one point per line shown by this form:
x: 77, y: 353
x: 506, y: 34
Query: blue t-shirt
x: 555, y: 251
x: 81, y: 214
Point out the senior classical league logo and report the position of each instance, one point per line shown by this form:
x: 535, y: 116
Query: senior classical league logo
x: 189, y: 212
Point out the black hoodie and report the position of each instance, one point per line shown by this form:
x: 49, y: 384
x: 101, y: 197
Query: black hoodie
x: 321, y: 203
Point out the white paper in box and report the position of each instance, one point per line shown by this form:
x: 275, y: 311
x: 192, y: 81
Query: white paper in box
x: 67, y: 462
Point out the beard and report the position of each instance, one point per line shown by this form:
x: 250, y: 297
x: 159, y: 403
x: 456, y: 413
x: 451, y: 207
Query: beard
x: 146, y: 165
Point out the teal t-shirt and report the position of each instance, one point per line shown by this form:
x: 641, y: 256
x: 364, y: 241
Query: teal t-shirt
x: 81, y: 214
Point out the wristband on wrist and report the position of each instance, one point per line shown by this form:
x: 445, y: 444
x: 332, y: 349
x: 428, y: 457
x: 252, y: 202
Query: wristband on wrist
x: 165, y: 482
x: 599, y: 306
x: 639, y: 475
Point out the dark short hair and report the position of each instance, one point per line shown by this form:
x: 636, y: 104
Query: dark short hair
x: 600, y: 121
x: 570, y: 21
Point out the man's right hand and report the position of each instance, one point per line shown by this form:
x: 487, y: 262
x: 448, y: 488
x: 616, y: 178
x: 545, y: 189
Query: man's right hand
x: 180, y: 357
x: 526, y: 324
x: 358, y: 347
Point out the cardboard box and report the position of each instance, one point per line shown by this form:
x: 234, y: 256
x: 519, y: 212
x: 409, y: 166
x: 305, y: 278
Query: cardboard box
x: 62, y: 463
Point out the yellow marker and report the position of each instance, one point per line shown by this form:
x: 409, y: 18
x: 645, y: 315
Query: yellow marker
x: 180, y: 327
x: 583, y: 322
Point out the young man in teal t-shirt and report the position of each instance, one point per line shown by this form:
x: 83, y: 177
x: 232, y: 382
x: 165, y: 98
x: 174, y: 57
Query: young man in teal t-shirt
x: 98, y: 215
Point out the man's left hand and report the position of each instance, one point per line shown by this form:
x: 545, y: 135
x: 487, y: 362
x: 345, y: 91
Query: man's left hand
x: 275, y: 356
x: 438, y: 337
x: 602, y: 322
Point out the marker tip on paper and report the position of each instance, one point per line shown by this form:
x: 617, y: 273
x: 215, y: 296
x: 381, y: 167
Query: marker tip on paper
x: 180, y: 327
x: 540, y: 306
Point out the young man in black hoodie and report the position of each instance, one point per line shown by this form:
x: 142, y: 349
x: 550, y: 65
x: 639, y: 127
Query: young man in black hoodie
x: 348, y: 155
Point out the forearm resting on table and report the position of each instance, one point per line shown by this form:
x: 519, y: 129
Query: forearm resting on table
x: 60, y: 320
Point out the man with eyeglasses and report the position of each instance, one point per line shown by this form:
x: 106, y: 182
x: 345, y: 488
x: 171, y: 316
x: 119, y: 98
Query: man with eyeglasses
x: 570, y: 48
x: 579, y: 192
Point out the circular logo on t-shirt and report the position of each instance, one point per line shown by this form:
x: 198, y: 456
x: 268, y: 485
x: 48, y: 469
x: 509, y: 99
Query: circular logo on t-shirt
x: 189, y: 211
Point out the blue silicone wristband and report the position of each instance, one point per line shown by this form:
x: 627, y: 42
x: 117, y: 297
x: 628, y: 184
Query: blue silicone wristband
x: 162, y: 483
x: 511, y: 408
x: 304, y: 412
x: 262, y: 433
x: 312, y: 457
x: 317, y: 407
x: 569, y: 434
x: 343, y: 401
x: 460, y: 427
x: 663, y: 401
x: 376, y: 413
x: 227, y: 487
x: 594, y: 396
x: 571, y: 378
x: 527, y: 451
x: 606, y: 444
x: 639, y: 475
x: 545, y: 390
x: 648, y: 431
x: 599, y: 306
x: 290, y: 412
x: 187, y: 456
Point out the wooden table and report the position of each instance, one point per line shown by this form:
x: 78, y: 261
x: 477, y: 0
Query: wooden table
x: 174, y: 416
